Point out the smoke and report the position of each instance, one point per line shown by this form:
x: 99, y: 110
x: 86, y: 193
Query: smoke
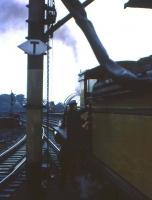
x: 64, y: 34
x: 12, y: 15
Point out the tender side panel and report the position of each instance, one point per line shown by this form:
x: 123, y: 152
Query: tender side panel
x: 124, y: 143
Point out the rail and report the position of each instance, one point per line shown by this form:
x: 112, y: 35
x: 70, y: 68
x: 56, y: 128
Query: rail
x: 13, y: 173
x: 52, y: 144
x: 12, y: 148
x: 12, y: 162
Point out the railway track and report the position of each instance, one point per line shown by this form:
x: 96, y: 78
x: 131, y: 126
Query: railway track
x: 13, y: 160
x: 13, y: 174
x: 53, y: 119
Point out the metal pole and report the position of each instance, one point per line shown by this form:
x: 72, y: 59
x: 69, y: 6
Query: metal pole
x: 34, y: 100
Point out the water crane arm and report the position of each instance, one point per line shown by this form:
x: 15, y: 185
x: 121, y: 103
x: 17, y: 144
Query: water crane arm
x: 117, y: 72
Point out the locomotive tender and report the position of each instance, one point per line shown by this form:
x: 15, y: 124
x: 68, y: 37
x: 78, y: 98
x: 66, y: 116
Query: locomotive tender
x: 121, y: 124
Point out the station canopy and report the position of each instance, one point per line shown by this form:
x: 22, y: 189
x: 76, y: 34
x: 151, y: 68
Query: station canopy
x: 139, y: 4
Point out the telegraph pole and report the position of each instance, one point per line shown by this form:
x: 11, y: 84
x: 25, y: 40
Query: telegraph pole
x: 34, y: 98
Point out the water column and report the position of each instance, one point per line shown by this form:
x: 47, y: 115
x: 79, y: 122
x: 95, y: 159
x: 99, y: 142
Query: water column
x: 34, y: 100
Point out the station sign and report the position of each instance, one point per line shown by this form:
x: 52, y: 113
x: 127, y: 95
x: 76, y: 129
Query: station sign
x: 34, y: 47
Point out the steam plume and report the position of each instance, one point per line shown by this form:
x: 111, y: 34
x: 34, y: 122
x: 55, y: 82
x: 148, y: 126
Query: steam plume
x: 64, y: 34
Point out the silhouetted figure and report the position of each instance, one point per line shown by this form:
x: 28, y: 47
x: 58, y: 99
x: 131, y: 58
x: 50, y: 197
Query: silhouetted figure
x: 71, y: 149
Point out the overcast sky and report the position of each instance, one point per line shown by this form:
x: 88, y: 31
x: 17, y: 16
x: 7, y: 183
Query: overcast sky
x: 125, y: 33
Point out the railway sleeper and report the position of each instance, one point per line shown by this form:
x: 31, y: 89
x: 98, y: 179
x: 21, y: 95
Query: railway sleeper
x: 9, y: 190
x: 3, y: 172
x: 4, y: 196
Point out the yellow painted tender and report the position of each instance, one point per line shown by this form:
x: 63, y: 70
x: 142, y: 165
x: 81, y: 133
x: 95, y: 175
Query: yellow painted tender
x: 121, y: 129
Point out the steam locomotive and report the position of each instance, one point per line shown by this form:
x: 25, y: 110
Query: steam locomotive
x: 119, y: 96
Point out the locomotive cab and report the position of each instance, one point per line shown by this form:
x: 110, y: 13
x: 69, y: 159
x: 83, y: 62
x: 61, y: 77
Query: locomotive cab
x: 87, y: 81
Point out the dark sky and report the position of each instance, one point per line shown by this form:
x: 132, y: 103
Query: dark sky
x: 12, y: 15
